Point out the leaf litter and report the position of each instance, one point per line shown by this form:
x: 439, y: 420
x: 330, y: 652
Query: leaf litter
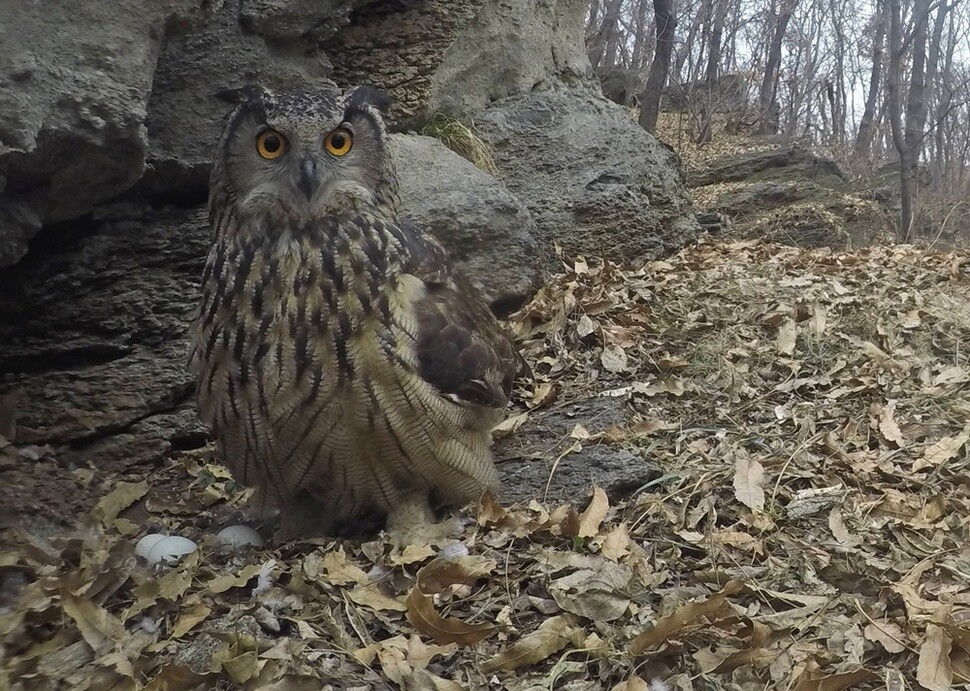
x: 810, y: 411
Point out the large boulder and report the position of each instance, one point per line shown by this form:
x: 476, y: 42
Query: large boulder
x: 203, y: 62
x: 295, y: 19
x: 457, y: 56
x: 74, y: 87
x: 487, y: 231
x: 787, y: 194
x: 95, y: 331
x: 596, y: 183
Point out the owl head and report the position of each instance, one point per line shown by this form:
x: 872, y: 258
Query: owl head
x: 304, y: 155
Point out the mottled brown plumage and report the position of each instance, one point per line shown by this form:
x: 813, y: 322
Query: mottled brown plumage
x: 344, y: 366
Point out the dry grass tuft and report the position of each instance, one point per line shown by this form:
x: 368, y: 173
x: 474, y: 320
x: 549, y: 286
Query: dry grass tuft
x: 461, y: 139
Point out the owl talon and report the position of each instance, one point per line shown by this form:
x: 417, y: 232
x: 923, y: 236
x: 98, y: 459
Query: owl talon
x: 413, y: 523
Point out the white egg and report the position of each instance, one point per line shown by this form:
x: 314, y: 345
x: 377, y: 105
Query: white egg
x: 453, y: 550
x: 239, y: 536
x: 145, y: 545
x: 164, y: 548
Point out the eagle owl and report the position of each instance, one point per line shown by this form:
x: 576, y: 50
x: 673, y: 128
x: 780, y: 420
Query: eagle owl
x: 345, y: 368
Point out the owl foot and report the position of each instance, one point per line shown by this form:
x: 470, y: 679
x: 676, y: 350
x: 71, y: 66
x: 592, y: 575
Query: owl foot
x: 411, y: 522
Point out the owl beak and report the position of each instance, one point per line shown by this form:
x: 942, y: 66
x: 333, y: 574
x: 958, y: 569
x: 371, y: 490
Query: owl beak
x: 309, y: 179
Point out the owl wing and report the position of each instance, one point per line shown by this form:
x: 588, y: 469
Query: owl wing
x: 462, y: 349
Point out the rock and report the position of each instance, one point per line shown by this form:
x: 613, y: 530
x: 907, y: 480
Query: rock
x: 74, y: 84
x: 525, y: 458
x: 511, y: 47
x: 620, y: 84
x: 95, y: 330
x: 457, y: 56
x: 288, y: 19
x: 95, y: 324
x: 19, y: 222
x: 798, y: 164
x: 711, y: 222
x: 191, y: 94
x: 596, y: 183
x: 786, y: 194
x: 487, y: 231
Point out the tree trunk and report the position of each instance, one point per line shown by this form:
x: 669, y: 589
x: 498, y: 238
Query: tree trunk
x: 714, y: 41
x: 863, y: 142
x: 666, y: 25
x: 767, y: 96
x: 895, y: 108
x: 606, y: 34
x: 688, y: 47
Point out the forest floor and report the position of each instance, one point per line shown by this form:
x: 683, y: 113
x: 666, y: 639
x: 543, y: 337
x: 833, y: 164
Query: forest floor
x: 808, y: 410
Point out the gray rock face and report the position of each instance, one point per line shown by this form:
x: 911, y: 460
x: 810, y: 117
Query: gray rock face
x: 487, y: 231
x: 73, y: 92
x: 95, y: 332
x: 595, y: 182
x: 511, y: 47
x: 196, y: 71
x: 459, y: 55
x: 94, y: 335
x: 525, y: 458
x: 791, y: 196
x: 286, y: 19
x: 785, y: 162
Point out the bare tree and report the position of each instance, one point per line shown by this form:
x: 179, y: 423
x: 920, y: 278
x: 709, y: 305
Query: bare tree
x: 769, y: 83
x: 666, y: 24
x: 864, y: 136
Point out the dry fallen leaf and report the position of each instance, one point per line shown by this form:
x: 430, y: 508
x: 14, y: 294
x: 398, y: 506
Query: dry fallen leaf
x: 749, y: 480
x: 118, y: 499
x: 690, y: 614
x: 591, y: 519
x: 942, y: 451
x: 423, y: 617
x: 552, y: 636
x: 934, y: 671
x: 787, y: 333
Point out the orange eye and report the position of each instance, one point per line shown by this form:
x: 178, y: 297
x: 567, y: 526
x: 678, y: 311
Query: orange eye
x: 270, y: 144
x: 339, y: 141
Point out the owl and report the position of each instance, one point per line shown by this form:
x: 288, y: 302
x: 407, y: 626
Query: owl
x: 345, y: 368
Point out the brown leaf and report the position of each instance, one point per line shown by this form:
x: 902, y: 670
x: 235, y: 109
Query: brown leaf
x: 509, y: 425
x: 595, y: 513
x: 934, y: 671
x: 552, y: 636
x: 545, y: 394
x: 614, y: 359
x: 617, y: 543
x: 117, y: 500
x: 888, y: 635
x: 191, y: 613
x: 632, y: 684
x: 100, y: 629
x: 711, y: 609
x: 840, y: 530
x: 787, y: 333
x: 441, y: 573
x: 338, y: 568
x: 749, y: 480
x: 832, y: 682
x: 886, y: 422
x: 224, y: 582
x: 943, y: 450
x: 423, y: 617
x: 370, y: 596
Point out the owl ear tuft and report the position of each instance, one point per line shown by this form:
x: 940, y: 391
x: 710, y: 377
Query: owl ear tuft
x: 368, y: 96
x: 249, y: 93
